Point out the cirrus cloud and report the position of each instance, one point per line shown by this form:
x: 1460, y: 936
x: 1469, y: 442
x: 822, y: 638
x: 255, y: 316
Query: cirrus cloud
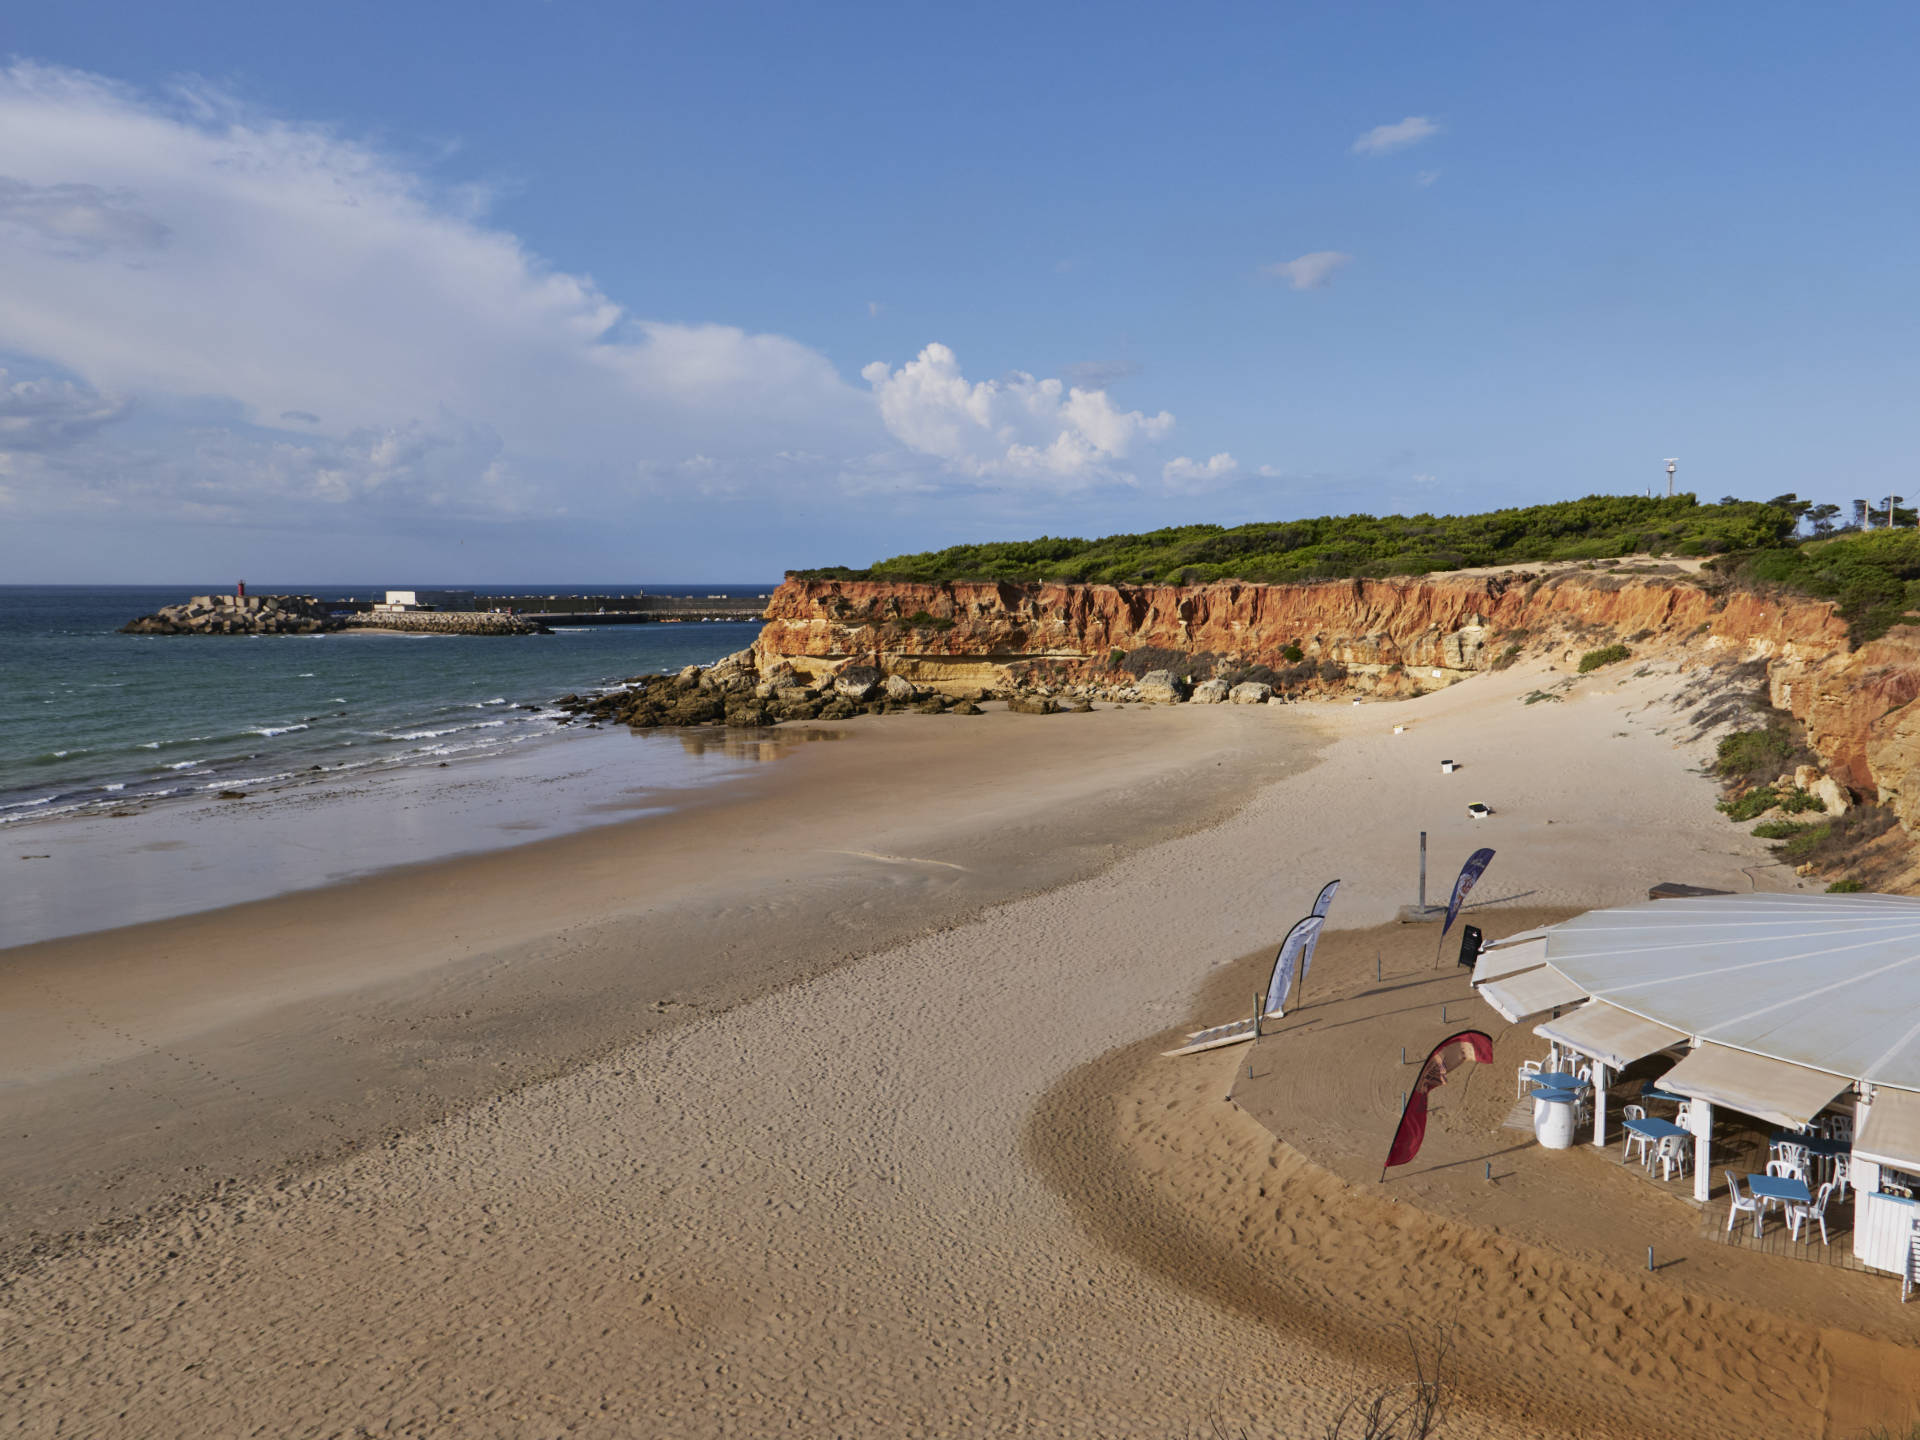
x: 1383, y: 139
x: 1314, y: 271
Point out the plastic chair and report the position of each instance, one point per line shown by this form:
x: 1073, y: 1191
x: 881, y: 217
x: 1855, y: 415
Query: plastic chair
x: 1633, y: 1112
x: 1741, y: 1202
x: 1528, y: 1069
x: 1675, y: 1157
x: 1799, y: 1215
x: 1681, y: 1113
x: 1842, y: 1175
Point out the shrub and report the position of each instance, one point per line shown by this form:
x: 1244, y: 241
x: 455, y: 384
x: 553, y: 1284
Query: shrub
x: 1292, y: 653
x: 1747, y: 755
x: 1845, y: 887
x: 1798, y: 802
x: 1506, y: 657
x: 1834, y: 842
x: 1607, y: 655
x: 1753, y: 804
x: 921, y: 620
x: 1783, y: 829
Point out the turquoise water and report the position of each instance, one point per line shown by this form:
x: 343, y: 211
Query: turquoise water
x: 91, y: 719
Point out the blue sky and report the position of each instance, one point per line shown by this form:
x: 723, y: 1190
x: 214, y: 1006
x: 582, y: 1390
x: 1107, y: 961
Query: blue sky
x: 514, y: 290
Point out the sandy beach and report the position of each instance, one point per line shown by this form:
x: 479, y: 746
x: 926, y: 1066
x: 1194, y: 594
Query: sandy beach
x: 833, y: 1106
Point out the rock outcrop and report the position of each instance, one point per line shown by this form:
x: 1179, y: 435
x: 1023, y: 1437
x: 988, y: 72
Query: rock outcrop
x: 237, y: 615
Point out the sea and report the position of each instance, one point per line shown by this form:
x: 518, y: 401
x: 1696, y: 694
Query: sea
x: 93, y: 721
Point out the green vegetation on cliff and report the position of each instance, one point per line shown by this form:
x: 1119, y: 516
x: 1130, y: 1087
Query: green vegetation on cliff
x: 1873, y: 576
x: 1338, y: 547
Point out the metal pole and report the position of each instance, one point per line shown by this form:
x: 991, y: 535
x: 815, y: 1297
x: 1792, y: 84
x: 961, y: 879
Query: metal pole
x: 1423, y: 870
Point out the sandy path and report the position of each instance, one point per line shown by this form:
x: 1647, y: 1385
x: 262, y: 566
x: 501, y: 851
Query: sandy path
x: 815, y: 1214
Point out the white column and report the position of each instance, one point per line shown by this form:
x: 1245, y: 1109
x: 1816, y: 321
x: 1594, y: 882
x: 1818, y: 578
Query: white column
x: 1599, y: 1104
x: 1700, y: 1120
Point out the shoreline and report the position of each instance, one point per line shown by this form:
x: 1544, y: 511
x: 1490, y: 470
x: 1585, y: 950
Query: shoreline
x: 379, y: 1004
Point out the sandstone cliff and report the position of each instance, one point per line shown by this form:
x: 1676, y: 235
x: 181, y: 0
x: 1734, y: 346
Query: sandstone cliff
x: 1861, y: 708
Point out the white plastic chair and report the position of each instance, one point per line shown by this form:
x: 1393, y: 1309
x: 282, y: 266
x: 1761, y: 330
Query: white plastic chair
x: 1681, y: 1112
x: 1675, y: 1156
x: 1741, y: 1202
x: 1528, y: 1070
x: 1633, y: 1112
x: 1799, y: 1215
x: 1842, y: 1175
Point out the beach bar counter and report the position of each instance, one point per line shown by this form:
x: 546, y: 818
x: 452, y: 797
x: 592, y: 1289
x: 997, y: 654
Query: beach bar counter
x: 1800, y: 1011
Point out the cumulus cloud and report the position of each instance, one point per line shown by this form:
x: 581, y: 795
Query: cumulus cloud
x: 192, y: 252
x: 1014, y: 429
x: 1383, y: 139
x: 1184, y: 474
x: 218, y: 313
x: 1313, y: 271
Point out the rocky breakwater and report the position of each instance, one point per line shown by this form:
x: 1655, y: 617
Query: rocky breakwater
x: 446, y: 622
x: 237, y: 615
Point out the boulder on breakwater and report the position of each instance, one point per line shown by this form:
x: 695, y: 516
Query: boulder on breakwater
x: 446, y: 622
x: 237, y: 615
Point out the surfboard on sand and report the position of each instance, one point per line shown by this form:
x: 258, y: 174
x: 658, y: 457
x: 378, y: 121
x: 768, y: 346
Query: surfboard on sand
x: 1236, y: 1032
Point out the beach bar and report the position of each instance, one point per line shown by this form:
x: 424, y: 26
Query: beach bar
x: 1799, y: 1011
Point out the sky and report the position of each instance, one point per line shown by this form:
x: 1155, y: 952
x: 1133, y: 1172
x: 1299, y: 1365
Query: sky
x: 541, y: 291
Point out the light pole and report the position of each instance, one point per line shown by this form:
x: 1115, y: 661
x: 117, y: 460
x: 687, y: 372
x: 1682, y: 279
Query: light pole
x: 1671, y: 464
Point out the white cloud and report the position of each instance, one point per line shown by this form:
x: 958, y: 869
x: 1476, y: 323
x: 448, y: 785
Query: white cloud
x: 1314, y: 271
x: 1189, y: 476
x: 196, y: 255
x: 1016, y: 429
x: 216, y: 314
x: 1383, y: 139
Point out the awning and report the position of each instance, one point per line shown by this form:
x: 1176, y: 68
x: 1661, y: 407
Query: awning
x: 1773, y: 1090
x: 1613, y: 1036
x: 1521, y: 997
x: 1522, y: 938
x: 1890, y: 1135
x: 1510, y: 960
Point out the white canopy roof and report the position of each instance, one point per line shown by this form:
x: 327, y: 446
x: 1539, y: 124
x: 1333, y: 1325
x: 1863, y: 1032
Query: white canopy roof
x: 1611, y: 1035
x: 1826, y: 982
x: 1890, y: 1133
x: 1510, y: 960
x: 1786, y: 1094
x: 1535, y: 992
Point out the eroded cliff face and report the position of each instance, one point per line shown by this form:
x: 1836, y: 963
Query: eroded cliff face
x: 1861, y: 708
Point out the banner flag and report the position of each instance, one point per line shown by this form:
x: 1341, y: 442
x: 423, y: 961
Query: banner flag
x: 1475, y: 867
x: 1281, y: 983
x: 1320, y: 908
x: 1465, y: 1048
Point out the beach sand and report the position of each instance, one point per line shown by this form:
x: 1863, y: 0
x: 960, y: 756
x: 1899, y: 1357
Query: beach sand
x: 829, y: 1148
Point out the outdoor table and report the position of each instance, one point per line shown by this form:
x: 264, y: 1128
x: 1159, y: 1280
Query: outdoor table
x: 1780, y: 1188
x: 1651, y: 1091
x: 1812, y: 1144
x: 1655, y: 1129
x: 1555, y: 1080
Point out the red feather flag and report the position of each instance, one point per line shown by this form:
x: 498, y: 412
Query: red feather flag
x: 1466, y: 1048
